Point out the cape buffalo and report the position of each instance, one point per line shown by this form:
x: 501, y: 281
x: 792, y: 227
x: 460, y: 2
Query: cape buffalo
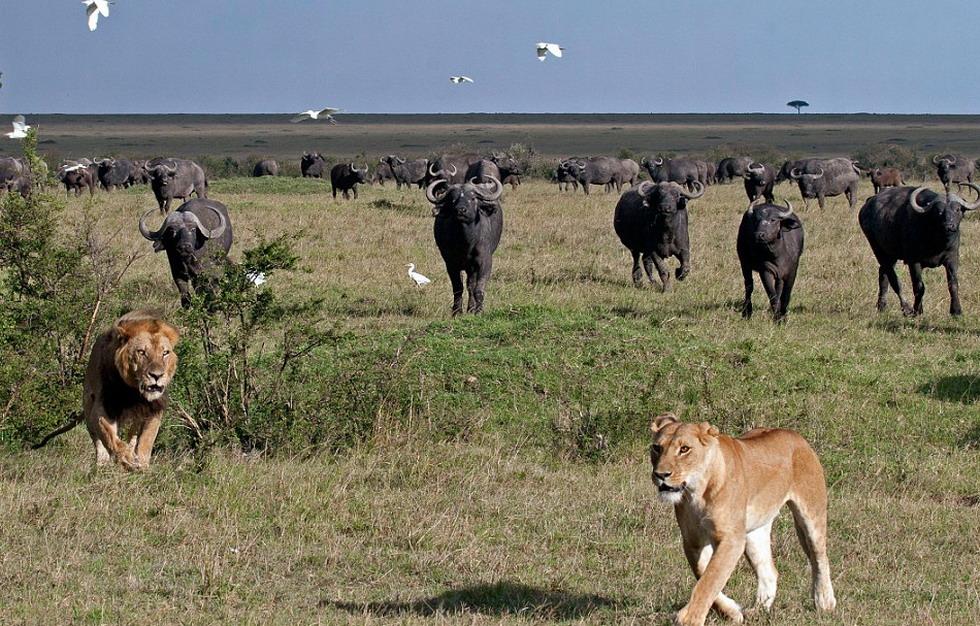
x: 482, y: 171
x: 882, y: 177
x: 197, y: 238
x: 115, y: 173
x: 175, y: 178
x: 509, y: 168
x: 820, y: 178
x: 382, y: 173
x: 759, y: 181
x: 312, y: 164
x: 953, y: 168
x: 600, y: 170
x: 921, y: 228
x: 651, y: 221
x: 451, y: 167
x: 564, y: 178
x: 266, y: 167
x: 345, y: 177
x: 770, y: 242
x: 731, y: 168
x: 680, y: 171
x: 407, y: 172
x: 76, y: 177
x: 469, y: 222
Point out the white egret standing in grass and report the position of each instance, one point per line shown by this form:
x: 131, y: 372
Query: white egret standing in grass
x: 418, y: 278
x: 256, y: 277
x: 544, y: 48
x: 94, y: 8
x: 315, y: 115
x: 20, y: 128
x: 460, y: 79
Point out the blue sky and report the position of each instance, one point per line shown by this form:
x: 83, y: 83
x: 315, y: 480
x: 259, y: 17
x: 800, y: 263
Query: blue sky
x: 395, y: 56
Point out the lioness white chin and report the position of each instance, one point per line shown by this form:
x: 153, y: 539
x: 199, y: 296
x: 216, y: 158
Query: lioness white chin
x: 130, y: 368
x: 726, y: 493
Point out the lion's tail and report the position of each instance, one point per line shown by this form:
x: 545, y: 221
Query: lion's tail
x: 75, y: 419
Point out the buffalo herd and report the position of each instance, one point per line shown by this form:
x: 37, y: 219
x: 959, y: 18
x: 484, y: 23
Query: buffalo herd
x: 910, y: 224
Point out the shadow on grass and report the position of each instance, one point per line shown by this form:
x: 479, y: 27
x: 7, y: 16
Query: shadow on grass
x: 501, y: 598
x: 963, y: 388
x: 897, y: 325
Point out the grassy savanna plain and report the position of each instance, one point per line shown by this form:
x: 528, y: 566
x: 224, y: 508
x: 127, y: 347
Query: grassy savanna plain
x: 504, y: 477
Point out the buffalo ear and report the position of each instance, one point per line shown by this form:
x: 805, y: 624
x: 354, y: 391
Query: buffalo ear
x: 706, y: 430
x: 488, y: 208
x: 661, y: 421
x: 158, y: 246
x: 791, y: 222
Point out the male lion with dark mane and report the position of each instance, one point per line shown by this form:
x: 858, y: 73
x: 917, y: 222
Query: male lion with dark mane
x: 726, y: 493
x: 126, y: 382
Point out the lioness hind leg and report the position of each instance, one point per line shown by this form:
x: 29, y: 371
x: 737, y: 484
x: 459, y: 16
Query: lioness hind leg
x: 811, y: 529
x: 698, y: 558
x: 758, y: 550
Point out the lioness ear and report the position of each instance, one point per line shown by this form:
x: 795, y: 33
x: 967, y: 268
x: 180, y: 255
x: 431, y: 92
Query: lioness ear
x: 660, y: 421
x: 172, y: 333
x: 706, y: 430
x: 124, y: 330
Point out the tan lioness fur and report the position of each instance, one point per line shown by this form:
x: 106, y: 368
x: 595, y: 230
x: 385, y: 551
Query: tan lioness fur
x: 126, y: 382
x: 726, y: 493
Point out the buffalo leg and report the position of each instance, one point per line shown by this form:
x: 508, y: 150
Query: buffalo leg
x: 770, y: 198
x: 637, y: 272
x: 456, y: 278
x: 785, y: 295
x: 897, y: 288
x: 772, y: 285
x: 648, y: 268
x: 480, y: 276
x: 918, y: 287
x: 749, y: 287
x: 585, y: 188
x: 685, y: 260
x: 184, y: 287
x: 334, y: 190
x: 954, y: 289
x: 661, y: 270
x: 355, y: 192
x: 820, y: 200
x: 882, y: 288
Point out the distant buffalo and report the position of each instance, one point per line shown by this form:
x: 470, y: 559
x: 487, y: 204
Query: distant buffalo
x: 175, y: 178
x: 681, y: 171
x: 344, y: 177
x: 482, y: 171
x: 312, y: 164
x: 564, y: 178
x: 921, y: 228
x: 770, y: 243
x: 509, y: 168
x: 265, y: 167
x: 731, y: 168
x: 76, y: 177
x: 759, y: 181
x: 468, y: 223
x: 405, y: 172
x: 451, y: 167
x: 822, y: 178
x: 953, y: 168
x: 115, y: 173
x: 197, y: 238
x: 600, y: 170
x: 382, y: 172
x: 651, y: 221
x: 882, y: 177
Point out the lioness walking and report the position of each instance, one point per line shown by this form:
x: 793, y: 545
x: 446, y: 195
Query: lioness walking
x: 726, y: 493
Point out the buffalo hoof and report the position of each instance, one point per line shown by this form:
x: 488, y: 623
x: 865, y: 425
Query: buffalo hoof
x: 908, y: 311
x: 682, y: 272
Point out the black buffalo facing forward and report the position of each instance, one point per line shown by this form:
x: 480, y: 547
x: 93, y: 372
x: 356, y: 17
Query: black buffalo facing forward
x: 197, y: 238
x: 919, y: 227
x: 175, y: 178
x: 770, y: 243
x: 651, y: 221
x: 344, y: 177
x: 469, y: 222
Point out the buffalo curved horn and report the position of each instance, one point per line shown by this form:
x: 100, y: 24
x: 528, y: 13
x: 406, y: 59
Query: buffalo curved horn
x: 453, y: 173
x: 789, y: 211
x: 967, y: 206
x: 430, y: 191
x: 644, y: 161
x: 432, y: 172
x: 658, y: 161
x: 488, y: 195
x: 153, y: 235
x: 381, y: 160
x: 691, y: 195
x: 400, y: 160
x: 941, y: 157
x: 753, y: 204
x: 364, y: 171
x: 644, y: 187
x: 756, y: 170
x: 206, y: 232
x: 913, y: 200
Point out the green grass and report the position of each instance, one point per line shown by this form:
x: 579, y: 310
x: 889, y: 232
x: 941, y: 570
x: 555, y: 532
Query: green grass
x: 471, y: 486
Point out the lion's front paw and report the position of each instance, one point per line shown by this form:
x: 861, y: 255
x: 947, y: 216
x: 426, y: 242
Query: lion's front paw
x: 127, y: 459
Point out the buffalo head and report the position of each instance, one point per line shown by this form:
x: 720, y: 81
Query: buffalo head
x: 771, y: 221
x: 183, y: 233
x: 464, y: 201
x: 668, y: 198
x: 949, y: 207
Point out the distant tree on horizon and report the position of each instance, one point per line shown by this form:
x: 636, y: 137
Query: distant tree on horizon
x: 798, y: 104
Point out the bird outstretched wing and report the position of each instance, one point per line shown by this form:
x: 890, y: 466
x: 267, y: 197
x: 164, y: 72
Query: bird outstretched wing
x: 555, y: 49
x: 300, y: 117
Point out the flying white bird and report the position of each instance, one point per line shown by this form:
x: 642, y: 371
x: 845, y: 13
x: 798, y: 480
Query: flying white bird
x: 93, y: 8
x: 20, y: 128
x: 256, y: 277
x: 544, y: 48
x: 460, y: 79
x: 315, y: 115
x: 418, y: 278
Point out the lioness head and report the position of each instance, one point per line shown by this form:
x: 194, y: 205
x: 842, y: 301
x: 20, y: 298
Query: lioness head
x: 679, y: 455
x: 144, y: 355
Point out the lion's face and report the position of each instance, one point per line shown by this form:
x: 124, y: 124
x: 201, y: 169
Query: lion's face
x: 679, y: 455
x: 146, y: 359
